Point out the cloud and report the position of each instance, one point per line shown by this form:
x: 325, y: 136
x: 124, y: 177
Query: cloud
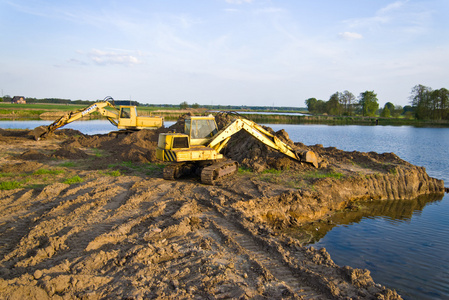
x: 404, y: 16
x: 115, y: 57
x: 392, y: 7
x: 350, y: 36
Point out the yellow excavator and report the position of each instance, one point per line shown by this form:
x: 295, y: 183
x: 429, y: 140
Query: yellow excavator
x: 197, y: 150
x: 125, y: 118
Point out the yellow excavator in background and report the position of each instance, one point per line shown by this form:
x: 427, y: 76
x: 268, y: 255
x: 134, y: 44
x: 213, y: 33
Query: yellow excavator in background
x: 125, y: 118
x: 197, y: 150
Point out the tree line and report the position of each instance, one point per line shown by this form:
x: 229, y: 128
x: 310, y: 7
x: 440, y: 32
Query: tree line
x: 426, y: 104
x: 430, y: 104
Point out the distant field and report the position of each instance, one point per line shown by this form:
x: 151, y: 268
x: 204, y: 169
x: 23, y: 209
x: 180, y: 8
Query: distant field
x: 48, y: 111
x: 40, y: 106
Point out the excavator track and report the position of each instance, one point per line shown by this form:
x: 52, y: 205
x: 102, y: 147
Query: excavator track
x: 216, y: 171
x: 171, y: 172
x: 176, y: 170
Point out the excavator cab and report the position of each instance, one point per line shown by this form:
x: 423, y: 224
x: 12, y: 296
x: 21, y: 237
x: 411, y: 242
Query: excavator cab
x: 190, y: 145
x: 200, y: 129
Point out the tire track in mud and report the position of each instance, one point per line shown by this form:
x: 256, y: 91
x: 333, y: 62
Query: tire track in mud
x: 264, y: 258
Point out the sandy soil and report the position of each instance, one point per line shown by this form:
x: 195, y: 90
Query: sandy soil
x: 89, y: 217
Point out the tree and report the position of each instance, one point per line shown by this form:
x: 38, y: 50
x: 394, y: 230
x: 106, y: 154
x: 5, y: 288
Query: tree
x: 184, y: 105
x: 195, y: 105
x: 439, y: 102
x: 347, y: 99
x: 408, y: 112
x: 368, y: 102
x: 333, y: 106
x: 7, y: 98
x: 311, y: 105
x: 315, y: 106
x: 430, y: 104
x: 321, y: 106
x: 388, y: 110
x: 390, y: 106
x: 398, y: 110
x: 420, y: 100
x: 444, y: 94
x: 385, y: 113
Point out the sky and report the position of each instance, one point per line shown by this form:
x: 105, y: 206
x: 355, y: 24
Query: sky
x: 226, y: 52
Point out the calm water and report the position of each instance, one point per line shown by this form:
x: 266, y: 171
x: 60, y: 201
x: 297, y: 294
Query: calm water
x: 405, y: 244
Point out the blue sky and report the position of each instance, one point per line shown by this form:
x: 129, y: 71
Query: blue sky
x: 228, y: 52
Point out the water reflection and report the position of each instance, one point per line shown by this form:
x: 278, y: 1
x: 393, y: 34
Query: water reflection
x: 392, y: 211
x: 403, y: 243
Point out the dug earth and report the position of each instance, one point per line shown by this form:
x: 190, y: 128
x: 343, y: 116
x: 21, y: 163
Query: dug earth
x: 90, y: 217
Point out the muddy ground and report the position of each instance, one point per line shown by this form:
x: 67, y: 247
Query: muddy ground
x: 90, y: 217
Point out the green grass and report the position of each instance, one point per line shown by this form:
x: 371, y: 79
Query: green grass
x: 41, y: 106
x: 152, y: 169
x: 272, y: 171
x: 68, y: 164
x: 73, y: 180
x: 6, y: 174
x: 10, y: 185
x: 148, y: 168
x: 114, y: 173
x: 244, y: 170
x: 50, y: 172
x: 98, y: 152
x: 318, y: 174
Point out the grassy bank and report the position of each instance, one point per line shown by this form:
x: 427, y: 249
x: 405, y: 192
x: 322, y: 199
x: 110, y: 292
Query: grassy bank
x: 341, y: 120
x: 53, y: 111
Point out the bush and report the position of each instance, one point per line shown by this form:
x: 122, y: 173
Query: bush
x: 10, y: 185
x: 73, y: 180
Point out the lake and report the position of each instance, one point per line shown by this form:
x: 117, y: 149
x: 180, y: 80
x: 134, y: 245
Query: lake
x: 405, y: 244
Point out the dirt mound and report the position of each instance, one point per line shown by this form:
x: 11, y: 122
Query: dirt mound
x: 15, y: 133
x: 224, y: 119
x: 70, y: 153
x: 179, y: 125
x: 33, y: 155
x: 22, y: 167
x: 253, y: 154
x: 139, y: 146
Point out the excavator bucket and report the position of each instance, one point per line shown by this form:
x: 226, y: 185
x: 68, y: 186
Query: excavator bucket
x: 309, y: 157
x: 39, y: 132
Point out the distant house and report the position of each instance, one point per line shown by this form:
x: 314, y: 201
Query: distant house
x: 18, y: 100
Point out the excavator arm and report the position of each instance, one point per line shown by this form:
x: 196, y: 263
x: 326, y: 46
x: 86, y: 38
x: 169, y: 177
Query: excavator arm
x: 258, y: 132
x: 100, y: 107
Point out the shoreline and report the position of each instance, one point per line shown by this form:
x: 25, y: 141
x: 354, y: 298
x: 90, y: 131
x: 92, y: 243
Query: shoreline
x: 265, y: 118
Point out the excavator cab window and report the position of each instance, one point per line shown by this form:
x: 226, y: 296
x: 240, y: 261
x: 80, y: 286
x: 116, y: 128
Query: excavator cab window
x: 125, y: 112
x: 201, y: 128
